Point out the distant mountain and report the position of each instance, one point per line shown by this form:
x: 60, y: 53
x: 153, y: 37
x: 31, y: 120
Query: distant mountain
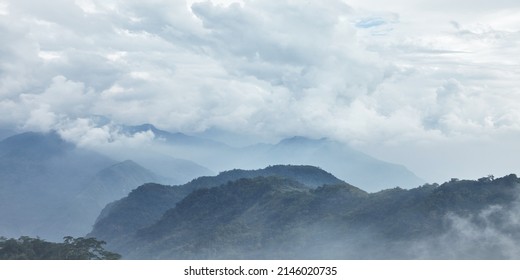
x: 51, y: 188
x: 172, y: 138
x: 40, y: 173
x: 345, y: 162
x: 34, y: 146
x: 145, y: 205
x: 173, y: 166
x: 116, y: 181
x: 5, y: 132
x: 109, y: 184
x: 348, y: 164
x: 173, y: 170
x: 279, y: 218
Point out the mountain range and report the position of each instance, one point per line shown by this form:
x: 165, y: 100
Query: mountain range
x: 281, y: 217
x: 345, y: 162
x: 146, y: 204
x: 51, y: 188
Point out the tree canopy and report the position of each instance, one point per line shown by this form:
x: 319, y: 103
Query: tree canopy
x: 28, y: 248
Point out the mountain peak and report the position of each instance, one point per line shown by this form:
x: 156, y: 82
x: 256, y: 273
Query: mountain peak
x: 143, y: 128
x: 177, y: 138
x: 300, y: 140
x: 35, y: 145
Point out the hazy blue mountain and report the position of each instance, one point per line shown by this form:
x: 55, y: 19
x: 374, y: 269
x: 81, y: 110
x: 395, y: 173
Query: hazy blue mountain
x: 116, y: 181
x: 6, y: 132
x: 51, y: 188
x: 279, y: 218
x: 40, y: 173
x: 145, y: 205
x: 110, y: 184
x: 176, y: 138
x: 34, y: 146
x: 345, y: 162
x: 234, y: 139
x: 174, y: 166
x: 173, y: 170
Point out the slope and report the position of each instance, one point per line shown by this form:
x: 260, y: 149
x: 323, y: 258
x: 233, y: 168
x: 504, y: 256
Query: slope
x: 51, y: 188
x: 345, y: 162
x: 277, y: 218
x: 154, y: 199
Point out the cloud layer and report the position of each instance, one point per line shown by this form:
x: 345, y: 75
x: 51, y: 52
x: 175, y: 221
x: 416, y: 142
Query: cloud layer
x: 359, y: 72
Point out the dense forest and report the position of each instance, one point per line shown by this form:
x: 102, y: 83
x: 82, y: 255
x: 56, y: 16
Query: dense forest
x: 282, y: 217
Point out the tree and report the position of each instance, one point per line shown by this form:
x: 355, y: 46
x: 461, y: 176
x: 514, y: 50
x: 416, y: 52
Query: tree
x: 27, y: 248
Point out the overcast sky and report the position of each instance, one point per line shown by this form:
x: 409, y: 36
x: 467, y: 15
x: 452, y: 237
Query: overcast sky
x: 431, y: 84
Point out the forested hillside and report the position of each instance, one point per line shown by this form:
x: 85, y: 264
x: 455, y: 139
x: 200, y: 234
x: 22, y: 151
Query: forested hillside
x: 277, y: 217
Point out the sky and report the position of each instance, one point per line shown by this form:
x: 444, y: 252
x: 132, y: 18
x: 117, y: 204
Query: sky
x: 430, y: 84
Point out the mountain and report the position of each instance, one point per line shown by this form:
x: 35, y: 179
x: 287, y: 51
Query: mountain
x: 5, y: 132
x: 345, y: 162
x: 176, y: 167
x: 172, y: 138
x: 51, y: 188
x: 146, y: 204
x: 172, y: 170
x: 240, y: 219
x: 116, y: 181
x: 280, y: 218
x: 107, y: 185
x: 39, y: 173
x: 348, y: 164
x: 33, y: 146
x: 142, y: 207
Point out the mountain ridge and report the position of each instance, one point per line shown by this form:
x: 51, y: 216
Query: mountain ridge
x: 278, y: 218
x: 345, y: 162
x: 52, y: 188
x: 102, y: 228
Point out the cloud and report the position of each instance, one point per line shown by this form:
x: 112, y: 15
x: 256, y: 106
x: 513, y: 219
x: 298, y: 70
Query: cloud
x: 488, y: 234
x: 360, y: 73
x: 102, y: 136
x: 4, y: 8
x: 41, y: 119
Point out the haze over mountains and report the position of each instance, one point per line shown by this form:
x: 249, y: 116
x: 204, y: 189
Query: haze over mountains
x: 146, y: 204
x: 347, y: 163
x: 283, y: 217
x: 51, y: 188
x: 163, y: 201
x: 54, y: 188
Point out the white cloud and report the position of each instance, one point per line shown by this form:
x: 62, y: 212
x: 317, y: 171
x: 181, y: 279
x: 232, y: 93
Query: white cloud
x: 490, y: 233
x: 364, y: 73
x: 41, y: 119
x: 105, y: 137
x: 4, y: 8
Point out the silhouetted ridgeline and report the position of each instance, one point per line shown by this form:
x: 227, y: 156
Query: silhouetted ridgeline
x: 278, y: 216
x: 145, y: 205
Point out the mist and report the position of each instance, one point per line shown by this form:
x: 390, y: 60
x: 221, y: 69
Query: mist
x: 380, y: 79
x: 389, y: 99
x: 278, y: 218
